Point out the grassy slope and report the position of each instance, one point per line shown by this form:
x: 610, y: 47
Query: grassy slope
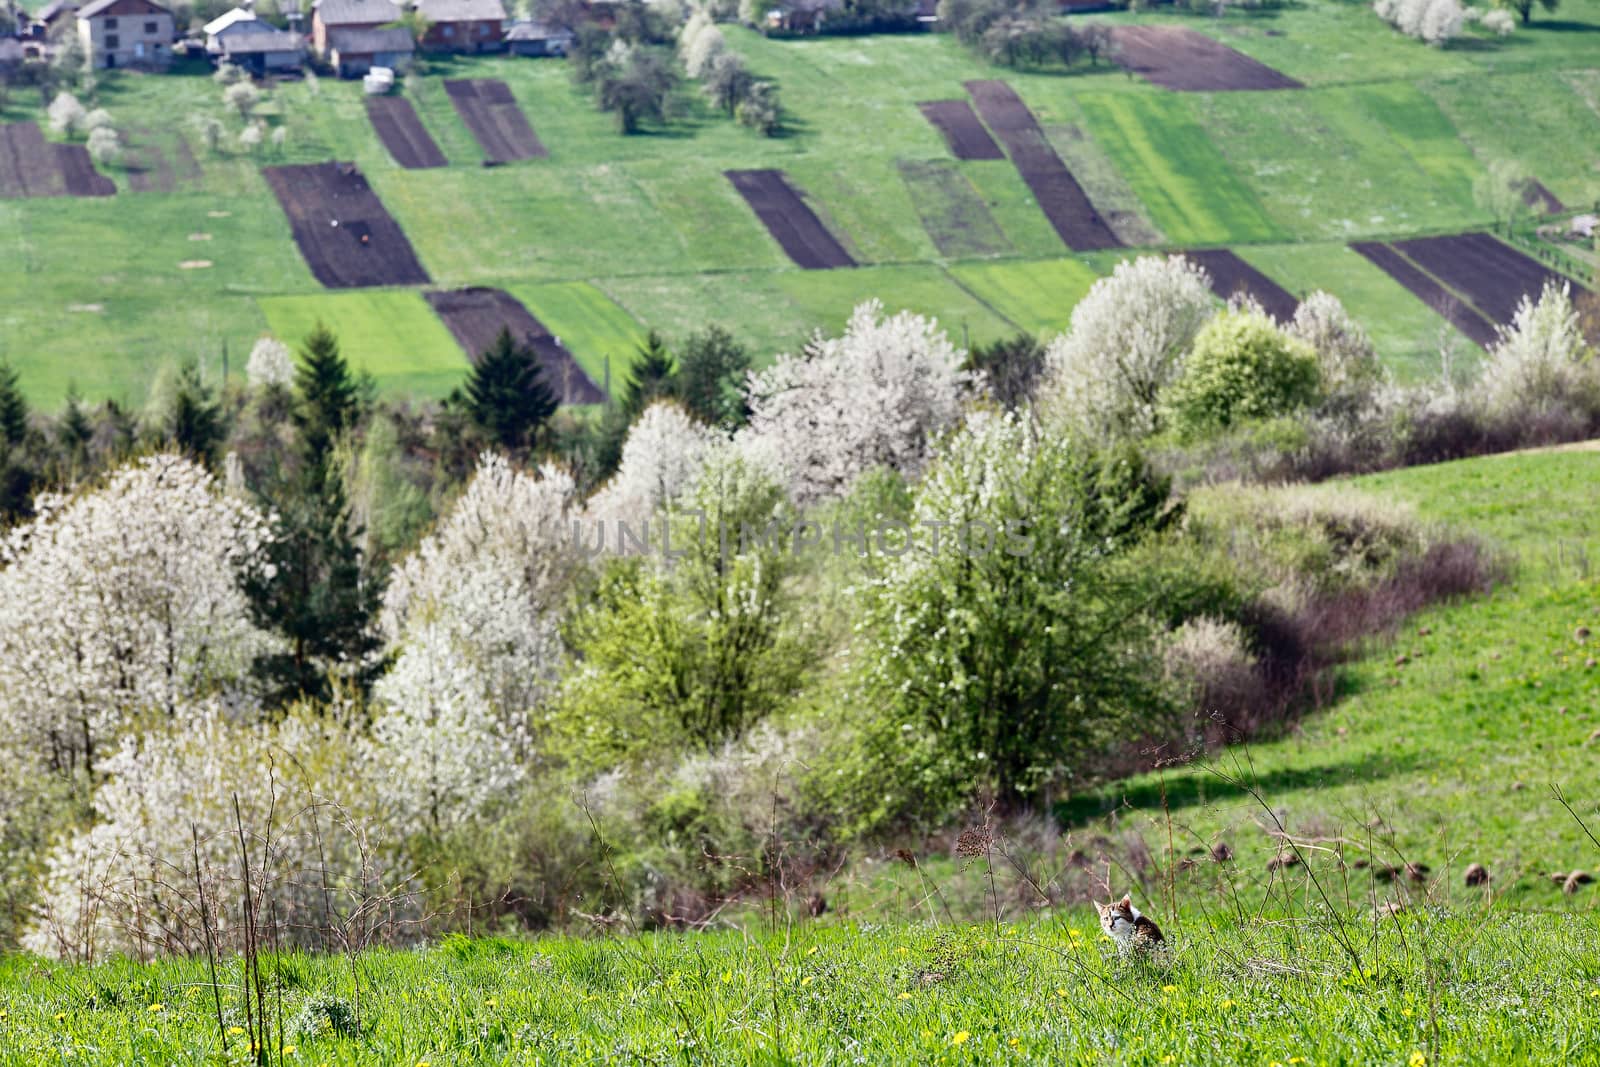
x: 1455, y: 749
x: 651, y: 221
x: 1260, y: 973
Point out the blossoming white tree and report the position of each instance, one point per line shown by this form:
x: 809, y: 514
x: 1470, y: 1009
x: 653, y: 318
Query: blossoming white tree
x: 129, y: 883
x: 1126, y: 342
x: 1540, y: 357
x: 1345, y: 354
x: 270, y: 363
x: 471, y: 617
x: 662, y: 458
x: 124, y: 600
x: 876, y: 397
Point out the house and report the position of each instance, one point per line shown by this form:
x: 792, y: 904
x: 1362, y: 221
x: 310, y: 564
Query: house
x: 126, y: 33
x: 537, y: 39
x: 463, y: 25
x: 237, y: 20
x: 354, y: 52
x: 263, y: 51
x: 330, y: 15
x: 801, y: 16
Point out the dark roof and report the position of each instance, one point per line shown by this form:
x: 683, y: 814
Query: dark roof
x: 347, y: 12
x: 92, y: 9
x: 370, y: 42
x: 536, y: 31
x: 462, y: 10
x: 238, y: 44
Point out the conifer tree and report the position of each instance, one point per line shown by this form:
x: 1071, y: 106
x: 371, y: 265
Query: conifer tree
x: 322, y: 597
x: 507, y: 396
x: 13, y: 407
x: 194, y: 422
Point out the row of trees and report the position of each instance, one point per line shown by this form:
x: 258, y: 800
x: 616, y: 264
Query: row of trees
x: 724, y: 77
x: 1023, y: 33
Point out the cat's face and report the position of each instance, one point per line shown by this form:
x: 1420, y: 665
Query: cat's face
x: 1116, y: 918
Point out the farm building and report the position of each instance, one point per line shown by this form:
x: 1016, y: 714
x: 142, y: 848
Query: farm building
x: 56, y: 12
x: 126, y: 33
x: 354, y: 52
x: 801, y: 16
x: 330, y: 15
x: 463, y: 25
x: 265, y: 50
x: 537, y: 39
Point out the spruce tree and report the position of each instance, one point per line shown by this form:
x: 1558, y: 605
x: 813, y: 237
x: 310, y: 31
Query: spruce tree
x: 13, y: 407
x: 75, y: 429
x: 711, y: 370
x: 507, y: 396
x: 194, y: 422
x: 652, y: 375
x: 323, y: 597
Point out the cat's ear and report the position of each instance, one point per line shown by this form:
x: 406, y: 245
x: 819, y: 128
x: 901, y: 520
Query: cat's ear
x: 1126, y: 901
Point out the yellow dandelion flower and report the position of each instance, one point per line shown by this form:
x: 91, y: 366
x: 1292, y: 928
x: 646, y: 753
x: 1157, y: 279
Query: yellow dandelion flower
x: 2, y: 1014
x: 1169, y: 1058
x: 290, y: 1050
x: 905, y: 996
x: 812, y: 951
x: 727, y: 976
x: 1075, y: 932
x: 808, y: 979
x: 1062, y: 993
x: 1592, y: 993
x: 60, y: 1015
x: 1014, y: 1042
x: 1296, y: 1059
x: 901, y: 951
x: 158, y: 1007
x: 1230, y: 1003
x: 959, y: 1037
x: 1169, y: 989
x: 1418, y: 1059
x: 1406, y: 1012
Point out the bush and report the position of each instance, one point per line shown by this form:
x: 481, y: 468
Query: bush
x: 66, y: 115
x: 1011, y: 654
x: 1541, y: 359
x: 1242, y: 368
x: 104, y: 145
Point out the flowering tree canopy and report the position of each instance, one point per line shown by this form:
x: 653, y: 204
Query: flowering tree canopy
x: 876, y: 397
x: 664, y: 454
x: 122, y: 600
x: 1126, y: 342
x: 1540, y: 357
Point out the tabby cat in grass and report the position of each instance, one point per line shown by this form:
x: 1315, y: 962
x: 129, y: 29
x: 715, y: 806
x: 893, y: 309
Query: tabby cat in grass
x: 1132, y: 931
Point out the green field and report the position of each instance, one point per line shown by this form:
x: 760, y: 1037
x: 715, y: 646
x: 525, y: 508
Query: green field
x: 1036, y: 296
x: 1439, y: 747
x: 591, y: 325
x: 391, y: 334
x: 1391, y: 139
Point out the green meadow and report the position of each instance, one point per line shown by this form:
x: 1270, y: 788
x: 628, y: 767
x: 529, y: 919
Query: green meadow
x: 1391, y: 138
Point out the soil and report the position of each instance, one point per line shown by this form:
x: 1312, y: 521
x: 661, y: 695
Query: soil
x: 29, y: 165
x: 790, y: 221
x: 402, y: 133
x: 1447, y: 304
x: 962, y: 130
x: 1538, y: 197
x: 1188, y: 61
x: 78, y: 171
x: 347, y: 238
x: 1058, y: 193
x: 491, y: 113
x: 475, y: 318
x: 1494, y: 276
x: 1231, y: 275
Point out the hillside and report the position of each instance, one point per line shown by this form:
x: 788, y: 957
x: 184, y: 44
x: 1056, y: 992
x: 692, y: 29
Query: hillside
x: 1264, y: 969
x: 611, y: 235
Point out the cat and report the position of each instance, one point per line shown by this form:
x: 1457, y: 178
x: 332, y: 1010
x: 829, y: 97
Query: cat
x: 1132, y: 931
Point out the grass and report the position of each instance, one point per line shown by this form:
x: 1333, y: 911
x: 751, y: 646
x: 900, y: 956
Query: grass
x: 1438, y: 989
x: 590, y: 324
x: 1192, y: 192
x: 1037, y: 296
x: 391, y: 334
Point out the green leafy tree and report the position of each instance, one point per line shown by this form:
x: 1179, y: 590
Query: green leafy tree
x: 1242, y: 367
x: 1005, y: 658
x: 700, y: 649
x: 321, y: 596
x: 506, y: 394
x: 194, y: 422
x: 712, y: 366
